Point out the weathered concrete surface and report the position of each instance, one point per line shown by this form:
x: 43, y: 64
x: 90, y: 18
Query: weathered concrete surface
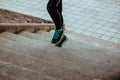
x: 22, y: 73
x: 39, y: 65
x: 5, y: 77
x: 97, y: 61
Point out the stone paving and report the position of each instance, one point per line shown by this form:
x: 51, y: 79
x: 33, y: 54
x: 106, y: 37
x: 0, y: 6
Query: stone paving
x: 96, y: 18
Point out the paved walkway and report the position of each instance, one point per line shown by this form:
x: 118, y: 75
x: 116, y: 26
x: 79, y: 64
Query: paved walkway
x: 96, y: 18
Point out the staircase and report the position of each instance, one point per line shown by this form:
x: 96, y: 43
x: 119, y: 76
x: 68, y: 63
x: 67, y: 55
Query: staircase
x: 30, y: 56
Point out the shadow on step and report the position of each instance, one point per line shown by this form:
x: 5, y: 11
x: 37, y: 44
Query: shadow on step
x: 115, y: 76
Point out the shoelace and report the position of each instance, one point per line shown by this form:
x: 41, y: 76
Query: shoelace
x: 57, y: 33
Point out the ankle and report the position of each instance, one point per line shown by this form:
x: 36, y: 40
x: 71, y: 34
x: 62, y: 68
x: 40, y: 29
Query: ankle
x: 59, y: 29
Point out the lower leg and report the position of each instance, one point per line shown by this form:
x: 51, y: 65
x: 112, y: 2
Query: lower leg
x: 54, y: 8
x: 59, y: 8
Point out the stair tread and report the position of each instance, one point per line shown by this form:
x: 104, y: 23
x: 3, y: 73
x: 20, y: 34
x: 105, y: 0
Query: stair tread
x: 22, y: 73
x: 22, y: 39
x: 82, y: 38
x: 41, y: 66
x: 40, y: 40
x: 46, y: 37
x: 42, y: 36
x: 73, y: 59
x: 94, y: 40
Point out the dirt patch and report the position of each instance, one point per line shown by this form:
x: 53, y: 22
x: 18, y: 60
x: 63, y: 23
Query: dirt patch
x: 7, y: 16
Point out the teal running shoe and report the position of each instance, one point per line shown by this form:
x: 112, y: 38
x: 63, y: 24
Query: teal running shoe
x: 58, y: 35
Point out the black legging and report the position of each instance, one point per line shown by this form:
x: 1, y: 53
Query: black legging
x: 54, y: 8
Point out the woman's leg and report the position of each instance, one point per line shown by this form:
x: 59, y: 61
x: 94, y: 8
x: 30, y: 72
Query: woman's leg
x: 54, y: 8
x: 59, y: 8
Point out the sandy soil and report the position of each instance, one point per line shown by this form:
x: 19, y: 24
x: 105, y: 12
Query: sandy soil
x: 7, y: 16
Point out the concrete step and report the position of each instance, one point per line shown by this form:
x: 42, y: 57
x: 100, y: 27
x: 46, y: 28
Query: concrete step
x: 93, y: 40
x: 84, y: 41
x: 37, y: 40
x: 82, y: 38
x: 47, y: 36
x: 23, y: 40
x: 32, y: 27
x: 93, y: 62
x: 42, y: 36
x: 39, y: 65
x: 22, y: 73
x: 75, y: 39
